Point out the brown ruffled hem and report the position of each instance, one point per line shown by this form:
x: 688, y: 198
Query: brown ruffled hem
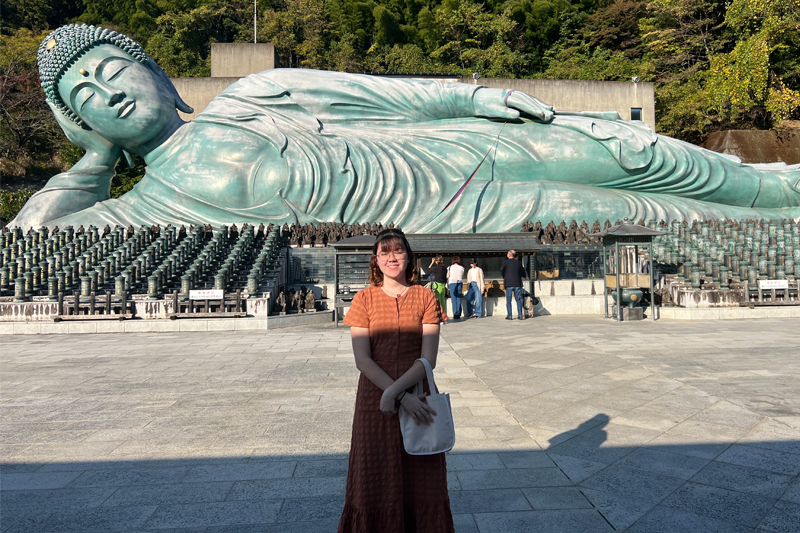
x: 421, y: 518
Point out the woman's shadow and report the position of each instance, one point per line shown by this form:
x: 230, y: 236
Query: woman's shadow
x: 578, y: 457
x: 592, y: 432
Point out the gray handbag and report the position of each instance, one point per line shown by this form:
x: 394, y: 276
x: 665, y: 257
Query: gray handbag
x: 429, y: 439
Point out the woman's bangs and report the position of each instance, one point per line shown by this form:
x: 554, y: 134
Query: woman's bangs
x: 390, y: 243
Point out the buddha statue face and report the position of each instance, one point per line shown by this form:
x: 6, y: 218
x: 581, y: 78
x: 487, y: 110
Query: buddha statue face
x: 116, y: 96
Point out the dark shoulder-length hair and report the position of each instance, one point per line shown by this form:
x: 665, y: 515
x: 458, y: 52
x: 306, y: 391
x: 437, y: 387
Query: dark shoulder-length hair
x: 391, y: 238
x: 456, y: 260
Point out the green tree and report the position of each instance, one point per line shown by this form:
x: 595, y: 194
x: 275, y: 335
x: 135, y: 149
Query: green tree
x: 743, y: 79
x: 352, y: 25
x: 300, y: 32
x: 680, y: 37
x: 582, y: 62
x: 404, y: 58
x: 38, y: 15
x: 30, y: 139
x: 28, y: 14
x: 181, y: 41
x: 604, y: 45
x: 474, y: 40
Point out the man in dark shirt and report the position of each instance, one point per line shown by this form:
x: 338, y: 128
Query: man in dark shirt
x: 513, y: 273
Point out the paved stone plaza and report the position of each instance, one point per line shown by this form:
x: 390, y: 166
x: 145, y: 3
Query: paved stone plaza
x: 564, y: 424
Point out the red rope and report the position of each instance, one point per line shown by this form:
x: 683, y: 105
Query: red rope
x: 461, y: 189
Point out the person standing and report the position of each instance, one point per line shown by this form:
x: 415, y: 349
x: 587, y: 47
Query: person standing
x: 393, y: 323
x: 476, y: 288
x: 513, y: 273
x: 439, y: 272
x: 455, y: 279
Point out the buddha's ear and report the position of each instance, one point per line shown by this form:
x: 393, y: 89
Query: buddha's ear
x: 166, y: 83
x: 181, y: 105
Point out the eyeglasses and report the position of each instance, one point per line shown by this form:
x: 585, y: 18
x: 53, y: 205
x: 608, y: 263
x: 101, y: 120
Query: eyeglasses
x: 397, y: 254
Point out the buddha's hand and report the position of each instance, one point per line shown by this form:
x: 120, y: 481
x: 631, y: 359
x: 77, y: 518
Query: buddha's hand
x: 99, y: 151
x: 510, y: 104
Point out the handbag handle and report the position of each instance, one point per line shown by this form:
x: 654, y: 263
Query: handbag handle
x: 418, y: 388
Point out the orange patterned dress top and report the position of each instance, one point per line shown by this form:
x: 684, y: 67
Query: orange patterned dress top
x: 388, y: 490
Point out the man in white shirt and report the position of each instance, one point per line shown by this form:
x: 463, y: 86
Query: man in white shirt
x: 476, y: 288
x: 455, y: 276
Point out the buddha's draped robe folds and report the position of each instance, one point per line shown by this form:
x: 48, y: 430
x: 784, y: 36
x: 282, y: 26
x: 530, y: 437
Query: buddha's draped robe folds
x: 291, y: 145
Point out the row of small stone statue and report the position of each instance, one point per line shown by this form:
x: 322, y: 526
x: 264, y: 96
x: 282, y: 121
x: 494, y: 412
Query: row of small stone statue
x: 328, y: 232
x: 574, y: 234
x: 302, y: 301
x: 561, y: 234
x: 155, y: 231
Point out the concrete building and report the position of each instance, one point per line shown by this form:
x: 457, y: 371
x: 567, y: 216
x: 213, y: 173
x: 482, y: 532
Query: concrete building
x: 231, y: 61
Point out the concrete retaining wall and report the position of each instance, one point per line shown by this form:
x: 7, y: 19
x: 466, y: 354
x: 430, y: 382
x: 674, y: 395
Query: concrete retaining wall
x: 198, y: 92
x: 727, y: 313
x: 757, y: 146
x: 241, y: 59
x: 46, y: 311
x: 151, y: 326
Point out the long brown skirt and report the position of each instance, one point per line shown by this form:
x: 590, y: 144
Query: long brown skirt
x: 388, y: 490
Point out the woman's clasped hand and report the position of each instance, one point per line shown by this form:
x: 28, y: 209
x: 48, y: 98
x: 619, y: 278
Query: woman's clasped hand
x: 415, y: 405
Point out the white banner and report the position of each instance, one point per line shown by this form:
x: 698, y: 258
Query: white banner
x: 207, y: 294
x: 773, y: 284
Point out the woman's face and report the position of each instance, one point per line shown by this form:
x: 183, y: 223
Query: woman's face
x: 392, y: 260
x: 116, y: 96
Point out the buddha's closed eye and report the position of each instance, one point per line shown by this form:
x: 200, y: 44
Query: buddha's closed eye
x: 117, y: 68
x: 86, y: 95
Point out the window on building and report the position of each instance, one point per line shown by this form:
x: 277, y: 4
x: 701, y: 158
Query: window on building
x: 636, y: 113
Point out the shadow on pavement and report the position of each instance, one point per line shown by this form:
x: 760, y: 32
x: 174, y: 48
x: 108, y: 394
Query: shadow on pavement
x: 578, y: 485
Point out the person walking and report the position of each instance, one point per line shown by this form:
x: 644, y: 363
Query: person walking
x: 392, y: 324
x: 476, y: 288
x: 513, y: 273
x: 439, y: 272
x: 455, y: 280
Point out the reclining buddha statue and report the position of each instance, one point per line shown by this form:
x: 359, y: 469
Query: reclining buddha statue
x: 297, y: 146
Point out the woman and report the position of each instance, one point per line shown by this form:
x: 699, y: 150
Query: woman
x: 393, y: 323
x: 439, y: 272
x: 455, y: 276
x: 476, y: 288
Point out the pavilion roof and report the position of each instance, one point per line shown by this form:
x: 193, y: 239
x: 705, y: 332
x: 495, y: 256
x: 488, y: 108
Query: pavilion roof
x: 448, y: 243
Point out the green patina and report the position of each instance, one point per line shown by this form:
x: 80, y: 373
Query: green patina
x: 292, y: 145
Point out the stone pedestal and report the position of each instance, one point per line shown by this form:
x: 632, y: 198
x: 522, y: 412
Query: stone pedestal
x: 636, y: 313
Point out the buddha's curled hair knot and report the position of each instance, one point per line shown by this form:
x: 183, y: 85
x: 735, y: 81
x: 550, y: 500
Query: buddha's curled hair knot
x: 64, y: 46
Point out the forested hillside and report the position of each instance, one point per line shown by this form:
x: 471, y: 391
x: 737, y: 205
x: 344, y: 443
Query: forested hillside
x: 717, y: 64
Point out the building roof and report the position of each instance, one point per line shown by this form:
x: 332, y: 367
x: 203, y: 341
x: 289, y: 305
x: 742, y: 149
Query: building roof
x: 465, y: 243
x: 359, y: 241
x: 446, y: 243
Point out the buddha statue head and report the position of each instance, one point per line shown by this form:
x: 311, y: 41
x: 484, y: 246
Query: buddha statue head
x: 105, y: 82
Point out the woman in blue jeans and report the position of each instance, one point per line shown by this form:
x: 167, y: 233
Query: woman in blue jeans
x: 476, y: 286
x: 455, y: 276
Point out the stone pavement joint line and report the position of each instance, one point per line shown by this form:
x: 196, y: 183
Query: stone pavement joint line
x: 564, y: 424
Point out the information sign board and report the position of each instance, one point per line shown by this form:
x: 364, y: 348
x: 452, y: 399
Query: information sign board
x: 767, y: 284
x: 207, y: 294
